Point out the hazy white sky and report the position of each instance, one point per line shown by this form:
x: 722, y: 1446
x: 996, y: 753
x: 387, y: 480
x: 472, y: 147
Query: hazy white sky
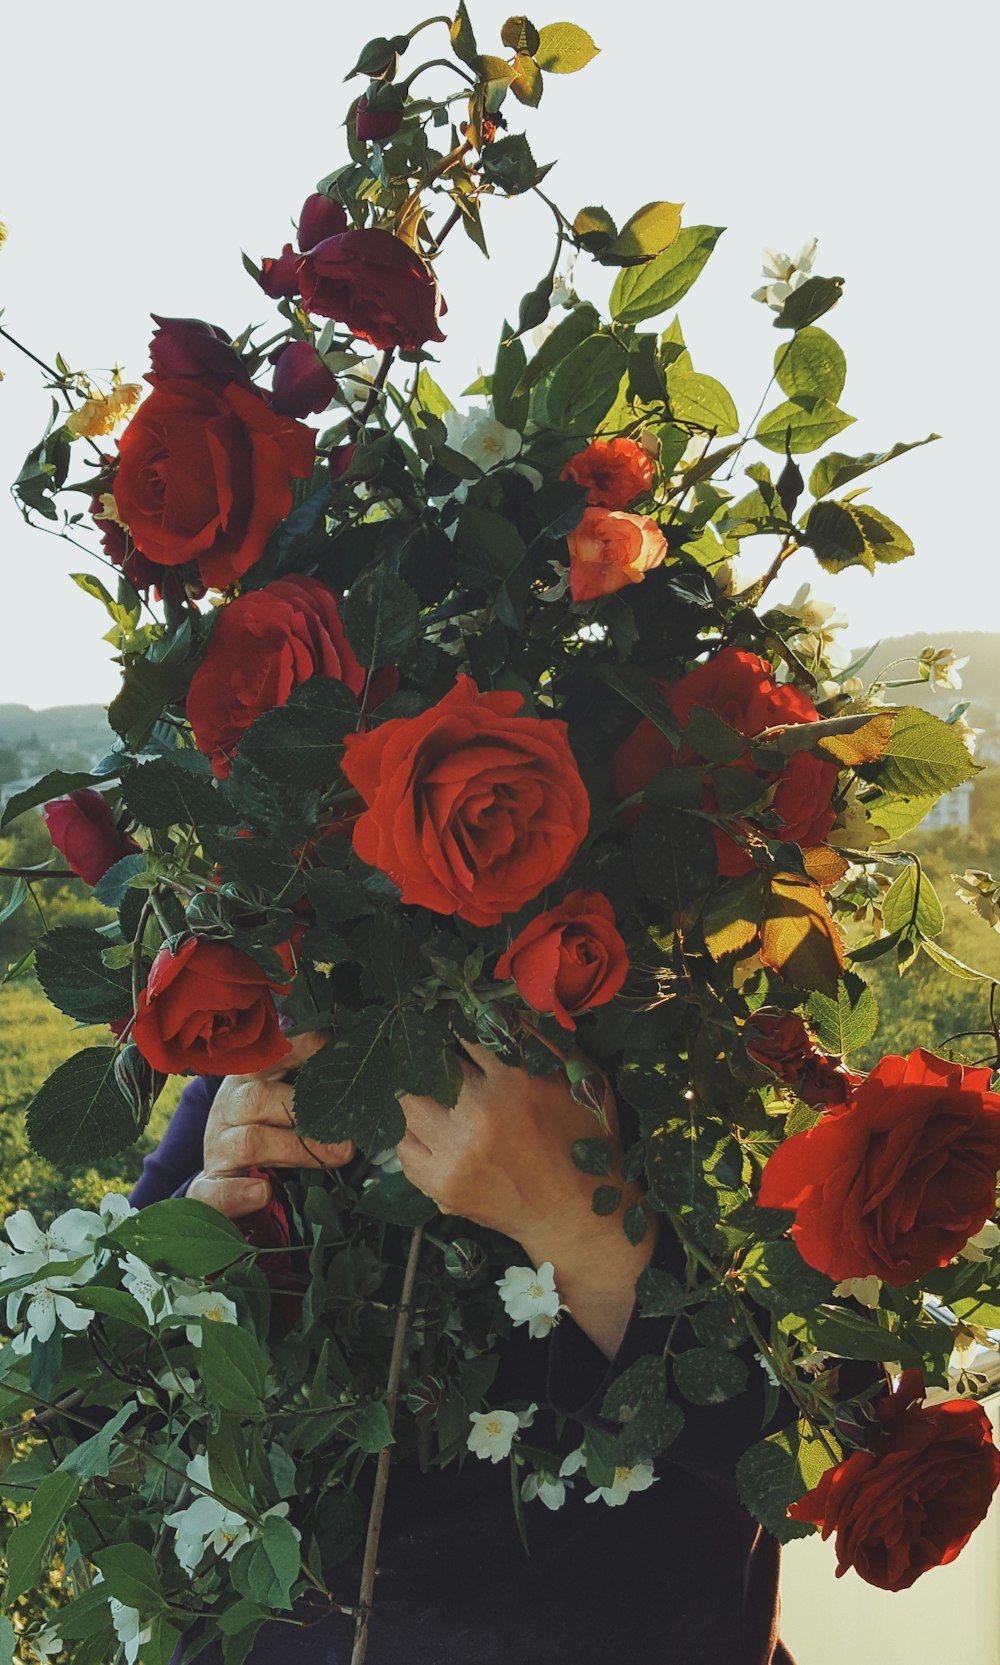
x: 142, y: 147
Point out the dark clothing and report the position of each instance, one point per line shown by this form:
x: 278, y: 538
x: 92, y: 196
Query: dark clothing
x: 679, y: 1575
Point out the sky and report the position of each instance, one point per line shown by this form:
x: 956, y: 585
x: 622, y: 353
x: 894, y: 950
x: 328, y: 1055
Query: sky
x: 142, y: 148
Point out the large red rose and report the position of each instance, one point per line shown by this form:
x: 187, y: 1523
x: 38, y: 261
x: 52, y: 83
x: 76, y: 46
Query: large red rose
x: 471, y: 809
x: 375, y: 284
x: 264, y: 644
x: 915, y: 1499
x: 898, y: 1181
x: 208, y: 1009
x: 206, y: 474
x: 83, y: 830
x: 741, y: 689
x: 569, y: 958
x: 615, y: 472
x: 781, y: 1042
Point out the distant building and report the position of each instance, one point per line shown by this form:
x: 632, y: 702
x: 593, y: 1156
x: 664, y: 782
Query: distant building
x: 953, y: 810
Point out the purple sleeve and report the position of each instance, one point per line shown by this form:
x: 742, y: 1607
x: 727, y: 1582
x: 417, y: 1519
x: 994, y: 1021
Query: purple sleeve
x: 169, y: 1169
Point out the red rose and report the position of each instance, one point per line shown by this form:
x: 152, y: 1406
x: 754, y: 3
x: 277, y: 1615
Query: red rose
x: 569, y: 958
x: 781, y: 1043
x: 898, y: 1181
x: 609, y: 549
x: 915, y: 1499
x: 377, y: 124
x: 279, y: 275
x: 118, y: 545
x: 83, y: 830
x: 320, y: 218
x: 205, y: 475
x: 375, y: 284
x: 615, y: 472
x: 471, y: 809
x: 262, y: 646
x: 208, y: 1009
x: 188, y: 347
x: 301, y: 384
x: 739, y: 688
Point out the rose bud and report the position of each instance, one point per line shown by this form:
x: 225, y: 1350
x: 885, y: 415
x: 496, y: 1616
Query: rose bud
x: 188, y: 347
x: 83, y: 830
x: 340, y: 459
x: 320, y: 217
x: 376, y: 124
x: 301, y: 383
x: 280, y: 278
x: 569, y: 958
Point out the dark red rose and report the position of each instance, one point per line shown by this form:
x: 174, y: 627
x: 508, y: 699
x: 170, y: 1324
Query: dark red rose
x: 569, y: 958
x: 117, y: 543
x: 376, y: 124
x: 205, y: 475
x: 781, y: 1043
x: 915, y: 1499
x: 320, y: 218
x: 471, y: 809
x: 339, y: 460
x: 741, y: 689
x: 301, y: 384
x: 375, y: 284
x: 264, y: 644
x: 82, y: 828
x: 279, y: 276
x: 208, y: 1009
x: 188, y: 347
x: 897, y: 1181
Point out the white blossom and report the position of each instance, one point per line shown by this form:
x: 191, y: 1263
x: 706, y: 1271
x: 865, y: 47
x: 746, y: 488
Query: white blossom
x: 865, y: 1290
x: 985, y: 1239
x: 388, y: 1161
x: 129, y: 1629
x: 638, y: 1478
x: 575, y: 1461
x: 146, y: 1287
x: 47, y: 1644
x: 478, y: 435
x: 206, y: 1305
x: 530, y: 1297
x: 785, y: 274
x: 548, y: 1489
x: 355, y: 375
x: 493, y: 1434
x: 941, y: 666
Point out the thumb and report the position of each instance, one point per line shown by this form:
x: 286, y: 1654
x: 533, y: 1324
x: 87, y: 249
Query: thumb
x: 233, y: 1195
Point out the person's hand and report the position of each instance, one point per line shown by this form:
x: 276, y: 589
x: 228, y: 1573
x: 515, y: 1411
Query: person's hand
x: 502, y: 1157
x: 251, y: 1125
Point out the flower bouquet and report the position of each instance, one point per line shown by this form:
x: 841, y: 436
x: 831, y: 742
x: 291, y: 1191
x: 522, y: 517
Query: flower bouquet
x: 445, y: 724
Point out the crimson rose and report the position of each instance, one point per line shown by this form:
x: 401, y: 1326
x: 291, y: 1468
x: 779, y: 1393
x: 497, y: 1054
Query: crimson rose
x: 205, y: 475
x: 569, y: 958
x: 471, y: 809
x: 262, y: 646
x: 321, y: 217
x: 83, y: 830
x: 301, y: 384
x: 915, y: 1499
x: 208, y: 1009
x: 741, y: 689
x: 375, y: 284
x: 781, y: 1042
x: 897, y: 1181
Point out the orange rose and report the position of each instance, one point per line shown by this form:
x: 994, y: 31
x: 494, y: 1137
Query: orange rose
x: 615, y: 472
x: 610, y: 549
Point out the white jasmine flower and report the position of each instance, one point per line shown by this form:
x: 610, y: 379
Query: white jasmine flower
x: 531, y: 1297
x: 981, y: 892
x: 563, y: 293
x: 47, y: 1644
x: 46, y: 1307
x: 355, y: 375
x: 493, y: 1434
x: 784, y: 274
x: 940, y: 667
x: 207, y: 1305
x: 574, y: 1462
x: 147, y: 1287
x: 478, y: 435
x: 114, y: 1208
x: 638, y: 1478
x: 388, y: 1161
x: 548, y: 1489
x: 979, y: 1246
x: 865, y: 1290
x: 129, y: 1629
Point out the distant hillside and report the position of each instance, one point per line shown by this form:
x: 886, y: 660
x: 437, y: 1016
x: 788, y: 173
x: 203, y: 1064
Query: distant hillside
x: 980, y: 677
x: 74, y: 725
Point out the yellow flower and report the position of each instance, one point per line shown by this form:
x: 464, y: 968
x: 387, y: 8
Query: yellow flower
x: 3, y: 234
x: 109, y: 510
x: 102, y: 413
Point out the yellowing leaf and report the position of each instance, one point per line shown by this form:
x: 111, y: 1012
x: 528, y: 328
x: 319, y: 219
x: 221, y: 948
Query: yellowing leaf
x: 526, y: 80
x: 864, y: 745
x: 564, y: 48
x: 648, y: 231
x: 798, y: 937
x: 729, y: 921
x: 824, y: 866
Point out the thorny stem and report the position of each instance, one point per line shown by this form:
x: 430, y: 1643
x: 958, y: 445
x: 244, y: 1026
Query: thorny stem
x: 367, y: 1589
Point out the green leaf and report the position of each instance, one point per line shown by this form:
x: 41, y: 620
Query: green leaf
x: 779, y: 1278
x: 131, y: 1576
x: 510, y: 406
x: 836, y: 469
x: 265, y: 1570
x: 853, y: 534
x: 463, y: 39
x: 606, y: 1199
x: 579, y: 323
x: 392, y: 1199
x: 638, y: 1400
x: 181, y: 1236
x: 709, y: 1375
x: 509, y: 164
x: 338, y: 897
x: 430, y: 397
x: 227, y: 1461
x: 778, y: 1471
x: 640, y: 690
x: 812, y: 363
x: 161, y: 794
x: 57, y: 784
x: 848, y: 1022
x: 71, y: 971
x: 489, y: 541
x: 80, y: 1114
x: 584, y: 385
x: 111, y: 890
x: 644, y: 291
x: 148, y: 686
x: 701, y: 400
x: 646, y: 233
x: 925, y: 757
x: 811, y: 419
x: 420, y: 1060
x: 92, y: 1457
x: 373, y: 1432
x: 731, y: 917
x: 850, y: 1335
x: 381, y: 617
x: 912, y: 902
x: 8, y: 1642
x: 563, y: 48
x: 345, y: 1091
x: 809, y: 302
x: 798, y: 937
x: 301, y: 742
x: 27, y: 1542
x: 592, y: 1156
x: 233, y: 1367
x: 520, y: 34
x: 659, y: 1294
